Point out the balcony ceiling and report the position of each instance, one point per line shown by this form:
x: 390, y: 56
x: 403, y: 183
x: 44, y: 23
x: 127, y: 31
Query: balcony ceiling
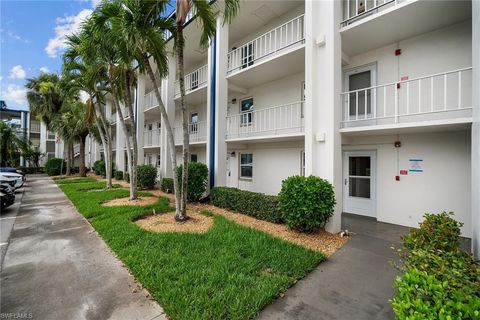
x: 256, y: 14
x: 401, y: 22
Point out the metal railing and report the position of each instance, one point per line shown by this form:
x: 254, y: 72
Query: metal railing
x: 278, y: 120
x: 193, y: 80
x: 151, y: 138
x: 282, y: 37
x: 424, y: 98
x: 197, y: 131
x: 34, y: 127
x: 353, y: 10
x: 151, y: 100
x: 50, y: 135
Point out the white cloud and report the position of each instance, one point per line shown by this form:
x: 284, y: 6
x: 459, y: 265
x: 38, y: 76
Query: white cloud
x: 65, y: 26
x: 95, y: 3
x: 17, y: 72
x: 1, y: 78
x: 13, y: 36
x: 15, y: 94
x: 44, y: 70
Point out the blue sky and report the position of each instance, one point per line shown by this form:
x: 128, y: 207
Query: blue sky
x: 31, y: 40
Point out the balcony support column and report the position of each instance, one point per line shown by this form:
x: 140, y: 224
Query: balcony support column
x: 140, y: 116
x: 476, y: 128
x: 323, y: 146
x: 120, y: 142
x: 168, y: 93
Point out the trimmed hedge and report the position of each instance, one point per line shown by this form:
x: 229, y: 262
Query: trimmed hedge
x: 306, y: 203
x: 197, y: 180
x: 167, y: 185
x: 257, y: 205
x: 54, y: 166
x: 439, y: 280
x: 146, y: 176
x: 119, y: 175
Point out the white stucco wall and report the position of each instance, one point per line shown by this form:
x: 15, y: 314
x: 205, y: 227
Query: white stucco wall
x: 444, y: 184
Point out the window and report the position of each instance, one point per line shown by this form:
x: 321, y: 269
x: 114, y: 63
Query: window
x: 248, y: 55
x: 302, y: 163
x: 150, y: 127
x: 246, y: 110
x: 304, y: 97
x: 158, y: 160
x: 360, y: 101
x: 194, y: 122
x: 159, y: 125
x: 194, y: 80
x: 193, y: 158
x: 246, y: 165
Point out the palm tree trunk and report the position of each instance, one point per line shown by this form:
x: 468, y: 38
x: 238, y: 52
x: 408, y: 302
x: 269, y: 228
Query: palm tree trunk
x: 82, y: 171
x: 170, y: 138
x: 186, y: 142
x: 133, y: 131
x: 69, y: 154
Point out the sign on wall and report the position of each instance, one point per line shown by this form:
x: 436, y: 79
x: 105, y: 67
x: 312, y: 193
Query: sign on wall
x: 416, y: 165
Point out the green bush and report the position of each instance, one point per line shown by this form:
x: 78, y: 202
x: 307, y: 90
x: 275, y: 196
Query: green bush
x: 437, y: 231
x: 99, y: 167
x: 126, y: 177
x: 438, y: 280
x: 306, y: 203
x: 167, y: 185
x: 257, y: 205
x: 119, y: 175
x: 54, y: 166
x: 197, y: 180
x: 146, y: 176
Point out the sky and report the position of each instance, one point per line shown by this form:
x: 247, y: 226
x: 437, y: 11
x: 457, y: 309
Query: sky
x: 32, y: 34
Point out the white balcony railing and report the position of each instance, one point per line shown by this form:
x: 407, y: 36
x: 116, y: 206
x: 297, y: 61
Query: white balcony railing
x: 50, y: 136
x: 273, y: 42
x: 126, y: 113
x: 34, y: 127
x: 197, y: 131
x: 354, y: 10
x: 151, y: 138
x: 435, y: 97
x: 193, y: 80
x: 130, y: 139
x: 151, y: 100
x: 279, y: 120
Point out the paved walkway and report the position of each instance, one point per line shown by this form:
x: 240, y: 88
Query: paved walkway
x: 7, y: 220
x: 354, y: 283
x: 57, y: 267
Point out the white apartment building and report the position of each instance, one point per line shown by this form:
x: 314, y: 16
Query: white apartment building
x: 380, y: 97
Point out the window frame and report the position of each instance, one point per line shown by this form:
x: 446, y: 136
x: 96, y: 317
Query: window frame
x: 246, y: 114
x: 240, y: 165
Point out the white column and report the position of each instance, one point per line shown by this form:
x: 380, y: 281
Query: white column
x: 221, y: 101
x: 168, y: 88
x: 120, y: 144
x: 322, y: 108
x: 43, y: 141
x: 476, y: 129
x: 140, y: 121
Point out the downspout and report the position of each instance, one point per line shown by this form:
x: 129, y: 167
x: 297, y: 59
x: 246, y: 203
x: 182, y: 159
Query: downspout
x: 212, y: 110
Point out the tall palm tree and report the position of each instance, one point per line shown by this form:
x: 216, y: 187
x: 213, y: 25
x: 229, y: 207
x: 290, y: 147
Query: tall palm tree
x: 206, y: 14
x: 137, y: 26
x: 12, y: 145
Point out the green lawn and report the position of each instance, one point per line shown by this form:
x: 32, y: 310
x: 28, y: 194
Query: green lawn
x: 230, y: 272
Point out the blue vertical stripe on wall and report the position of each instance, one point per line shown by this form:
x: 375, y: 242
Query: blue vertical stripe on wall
x: 213, y: 63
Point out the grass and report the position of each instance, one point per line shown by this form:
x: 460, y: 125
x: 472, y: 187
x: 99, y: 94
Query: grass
x: 230, y: 272
x: 68, y: 180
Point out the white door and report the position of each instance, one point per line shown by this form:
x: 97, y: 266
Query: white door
x: 359, y: 182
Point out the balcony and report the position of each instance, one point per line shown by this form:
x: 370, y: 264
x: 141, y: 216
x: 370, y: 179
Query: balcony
x: 34, y: 127
x: 371, y: 24
x: 194, y: 83
x: 197, y: 131
x: 430, y: 101
x: 272, y: 55
x: 151, y: 138
x: 282, y: 121
x: 150, y: 101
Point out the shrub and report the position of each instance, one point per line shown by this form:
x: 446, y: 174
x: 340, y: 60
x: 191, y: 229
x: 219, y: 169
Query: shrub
x: 54, y: 166
x: 167, y: 185
x: 146, y: 176
x: 31, y: 170
x: 119, y: 175
x: 306, y: 203
x: 257, y: 205
x: 439, y: 280
x: 197, y: 180
x: 126, y: 177
x: 99, y: 167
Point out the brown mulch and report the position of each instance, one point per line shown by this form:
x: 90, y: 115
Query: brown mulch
x: 165, y: 222
x: 321, y: 241
x: 140, y: 201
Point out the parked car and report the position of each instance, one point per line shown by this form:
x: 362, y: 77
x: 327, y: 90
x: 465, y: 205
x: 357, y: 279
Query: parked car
x: 12, y: 170
x: 7, y: 196
x: 7, y: 176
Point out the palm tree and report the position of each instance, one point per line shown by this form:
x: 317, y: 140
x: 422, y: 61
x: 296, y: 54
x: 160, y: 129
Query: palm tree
x: 12, y: 145
x: 206, y: 14
x: 137, y: 28
x: 43, y: 96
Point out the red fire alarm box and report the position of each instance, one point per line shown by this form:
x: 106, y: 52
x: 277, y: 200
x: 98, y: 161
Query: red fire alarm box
x: 398, y: 52
x: 403, y: 172
x: 397, y: 178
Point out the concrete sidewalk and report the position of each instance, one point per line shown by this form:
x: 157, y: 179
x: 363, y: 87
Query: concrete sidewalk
x: 355, y: 283
x: 57, y: 267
